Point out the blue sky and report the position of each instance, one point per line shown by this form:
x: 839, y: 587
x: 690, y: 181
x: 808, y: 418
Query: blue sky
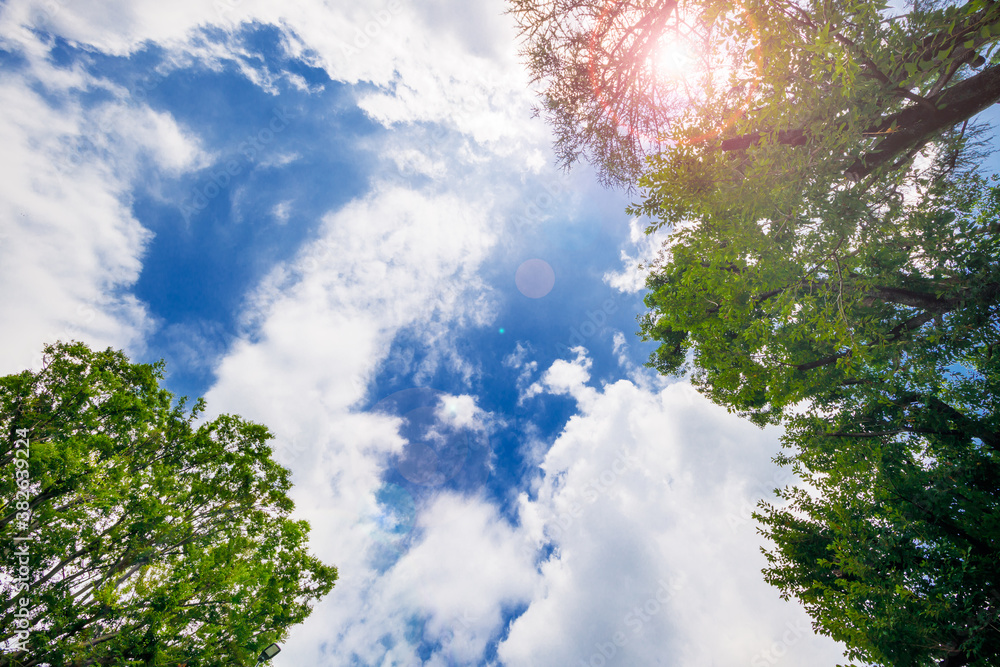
x: 340, y: 220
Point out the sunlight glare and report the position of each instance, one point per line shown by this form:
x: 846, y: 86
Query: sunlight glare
x: 674, y: 59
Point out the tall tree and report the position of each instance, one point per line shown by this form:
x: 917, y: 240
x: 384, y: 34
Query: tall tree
x: 776, y: 313
x: 856, y: 88
x: 833, y: 266
x: 893, y: 542
x: 150, y: 540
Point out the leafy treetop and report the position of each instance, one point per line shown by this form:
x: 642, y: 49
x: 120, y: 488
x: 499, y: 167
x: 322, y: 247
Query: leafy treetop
x: 154, y: 540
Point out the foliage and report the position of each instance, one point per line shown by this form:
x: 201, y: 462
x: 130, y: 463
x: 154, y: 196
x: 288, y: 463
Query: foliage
x: 847, y: 89
x: 774, y: 314
x: 892, y: 541
x: 833, y: 266
x: 601, y: 85
x: 154, y: 541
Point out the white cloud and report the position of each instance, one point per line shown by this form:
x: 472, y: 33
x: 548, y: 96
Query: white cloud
x: 646, y: 500
x: 142, y: 131
x: 635, y: 267
x: 281, y: 211
x: 462, y: 412
x: 439, y: 61
x: 451, y: 587
x: 391, y: 260
x: 412, y: 162
x: 70, y: 247
x: 516, y: 359
x: 564, y: 377
x: 319, y: 327
x: 469, y: 567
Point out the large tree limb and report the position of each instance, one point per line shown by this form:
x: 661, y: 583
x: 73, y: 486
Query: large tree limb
x: 906, y: 297
x: 825, y: 361
x: 914, y: 124
x: 902, y: 129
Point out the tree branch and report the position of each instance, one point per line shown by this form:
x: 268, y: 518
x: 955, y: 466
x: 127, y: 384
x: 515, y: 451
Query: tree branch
x: 914, y: 125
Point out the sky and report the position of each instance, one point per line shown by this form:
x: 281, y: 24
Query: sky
x: 340, y: 219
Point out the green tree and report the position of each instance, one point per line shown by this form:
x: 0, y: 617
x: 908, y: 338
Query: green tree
x: 833, y: 266
x: 772, y: 316
x: 892, y: 542
x: 847, y: 89
x: 871, y: 333
x: 811, y: 245
x: 599, y: 90
x: 153, y: 540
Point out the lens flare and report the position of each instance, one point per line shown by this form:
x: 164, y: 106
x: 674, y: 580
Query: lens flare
x: 674, y: 59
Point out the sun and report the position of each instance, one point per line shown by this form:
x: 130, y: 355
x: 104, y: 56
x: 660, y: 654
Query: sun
x: 655, y: 77
x: 674, y: 58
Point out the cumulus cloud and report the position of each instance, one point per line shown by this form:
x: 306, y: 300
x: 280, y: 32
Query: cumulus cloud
x: 393, y: 260
x: 446, y: 62
x: 563, y: 377
x: 469, y: 567
x: 645, y: 504
x: 429, y: 64
x: 462, y: 412
x: 382, y: 263
x: 645, y: 248
x: 70, y: 247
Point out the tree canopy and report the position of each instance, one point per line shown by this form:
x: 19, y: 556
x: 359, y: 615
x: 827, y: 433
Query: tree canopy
x: 133, y: 535
x: 837, y: 231
x: 833, y: 266
x: 774, y: 314
x: 892, y: 541
x: 876, y: 347
x: 855, y: 87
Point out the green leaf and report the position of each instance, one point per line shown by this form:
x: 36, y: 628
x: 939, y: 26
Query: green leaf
x: 181, y: 527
